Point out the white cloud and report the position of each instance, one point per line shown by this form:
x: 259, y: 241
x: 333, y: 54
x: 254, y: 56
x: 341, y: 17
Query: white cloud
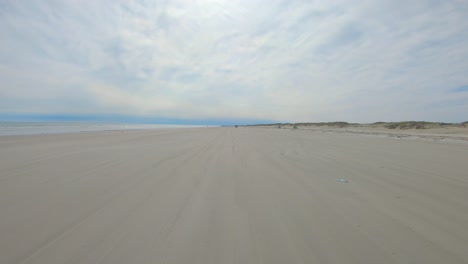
x: 277, y: 60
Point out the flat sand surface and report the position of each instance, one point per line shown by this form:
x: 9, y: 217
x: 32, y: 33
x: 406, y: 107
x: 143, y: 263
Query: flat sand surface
x: 448, y: 134
x: 227, y: 195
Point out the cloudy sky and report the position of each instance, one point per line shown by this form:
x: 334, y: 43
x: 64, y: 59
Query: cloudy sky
x: 358, y: 61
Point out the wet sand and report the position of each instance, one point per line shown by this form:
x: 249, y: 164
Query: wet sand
x: 227, y: 195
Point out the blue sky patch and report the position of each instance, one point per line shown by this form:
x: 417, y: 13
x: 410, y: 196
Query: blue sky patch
x: 460, y: 89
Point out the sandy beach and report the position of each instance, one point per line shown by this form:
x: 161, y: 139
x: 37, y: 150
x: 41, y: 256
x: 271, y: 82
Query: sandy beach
x: 232, y: 195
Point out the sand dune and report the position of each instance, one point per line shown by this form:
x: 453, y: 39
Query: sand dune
x: 227, y: 195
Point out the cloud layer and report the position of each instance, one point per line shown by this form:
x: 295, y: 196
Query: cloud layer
x: 267, y: 60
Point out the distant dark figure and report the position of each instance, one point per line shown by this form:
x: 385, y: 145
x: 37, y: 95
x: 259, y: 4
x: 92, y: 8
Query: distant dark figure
x: 279, y: 126
x: 236, y: 126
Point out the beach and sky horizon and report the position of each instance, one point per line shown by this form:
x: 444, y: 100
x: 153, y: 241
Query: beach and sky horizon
x: 233, y: 131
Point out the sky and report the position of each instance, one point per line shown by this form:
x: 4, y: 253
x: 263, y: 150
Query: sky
x: 223, y: 61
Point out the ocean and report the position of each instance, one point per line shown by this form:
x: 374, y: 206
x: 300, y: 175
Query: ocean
x: 31, y: 128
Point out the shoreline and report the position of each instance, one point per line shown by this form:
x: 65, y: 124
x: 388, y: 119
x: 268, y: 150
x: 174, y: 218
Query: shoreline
x: 43, y: 128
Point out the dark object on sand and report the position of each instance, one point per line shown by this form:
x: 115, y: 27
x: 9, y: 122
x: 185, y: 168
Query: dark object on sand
x: 236, y: 126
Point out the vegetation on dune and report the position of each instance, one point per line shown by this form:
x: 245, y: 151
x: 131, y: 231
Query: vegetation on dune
x: 389, y: 125
x: 379, y: 123
x: 416, y: 125
x: 333, y: 124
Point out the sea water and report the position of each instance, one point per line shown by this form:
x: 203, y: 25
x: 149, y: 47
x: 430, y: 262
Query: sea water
x: 31, y: 128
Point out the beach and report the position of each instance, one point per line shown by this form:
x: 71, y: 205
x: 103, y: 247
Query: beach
x: 232, y: 195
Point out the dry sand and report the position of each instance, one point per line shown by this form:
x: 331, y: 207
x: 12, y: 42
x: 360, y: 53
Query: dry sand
x: 449, y: 134
x: 455, y: 133
x: 227, y: 195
